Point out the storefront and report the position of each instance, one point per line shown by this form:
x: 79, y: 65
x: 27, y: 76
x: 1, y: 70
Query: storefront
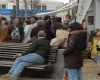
x: 93, y: 17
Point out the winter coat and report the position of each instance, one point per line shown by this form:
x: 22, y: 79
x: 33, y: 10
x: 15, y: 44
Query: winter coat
x: 47, y: 25
x: 39, y: 46
x: 65, y: 25
x: 3, y: 34
x: 73, y: 54
x: 27, y: 32
x: 35, y: 31
x: 21, y: 31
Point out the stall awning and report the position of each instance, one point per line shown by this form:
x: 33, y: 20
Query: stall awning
x: 54, y: 12
x: 69, y: 6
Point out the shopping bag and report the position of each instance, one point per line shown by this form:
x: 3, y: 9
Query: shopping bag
x: 65, y: 77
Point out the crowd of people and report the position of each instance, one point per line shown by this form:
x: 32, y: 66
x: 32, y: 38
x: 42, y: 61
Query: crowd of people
x: 14, y: 32
x: 41, y: 35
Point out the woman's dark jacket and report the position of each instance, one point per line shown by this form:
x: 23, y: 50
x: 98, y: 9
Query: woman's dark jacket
x: 73, y: 54
x: 35, y: 31
x: 10, y: 29
x: 47, y: 25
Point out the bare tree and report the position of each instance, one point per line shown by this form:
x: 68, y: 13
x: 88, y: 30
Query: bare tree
x: 25, y: 2
x: 17, y: 8
x: 31, y: 5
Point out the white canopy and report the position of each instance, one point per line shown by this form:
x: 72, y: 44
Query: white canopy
x: 63, y: 9
x: 54, y: 12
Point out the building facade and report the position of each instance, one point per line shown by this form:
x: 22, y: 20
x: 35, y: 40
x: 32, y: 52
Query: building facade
x: 93, y: 16
x: 43, y: 4
x: 6, y: 7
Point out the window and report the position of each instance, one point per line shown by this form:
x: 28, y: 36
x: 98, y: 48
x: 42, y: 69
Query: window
x: 39, y: 7
x: 3, y: 6
x: 44, y: 7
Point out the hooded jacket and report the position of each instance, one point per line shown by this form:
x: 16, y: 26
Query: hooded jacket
x: 73, y: 54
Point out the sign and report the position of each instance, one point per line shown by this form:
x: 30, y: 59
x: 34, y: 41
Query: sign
x: 6, y: 11
x: 82, y: 9
x: 10, y: 12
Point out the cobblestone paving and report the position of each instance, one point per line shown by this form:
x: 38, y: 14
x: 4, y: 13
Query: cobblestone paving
x: 89, y: 71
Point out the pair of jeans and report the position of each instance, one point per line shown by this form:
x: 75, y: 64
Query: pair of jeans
x: 24, y: 61
x: 75, y: 74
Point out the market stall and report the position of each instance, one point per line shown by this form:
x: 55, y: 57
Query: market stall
x: 96, y: 47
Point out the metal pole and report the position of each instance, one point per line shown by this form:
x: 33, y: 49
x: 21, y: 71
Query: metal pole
x: 76, y: 9
x: 17, y: 8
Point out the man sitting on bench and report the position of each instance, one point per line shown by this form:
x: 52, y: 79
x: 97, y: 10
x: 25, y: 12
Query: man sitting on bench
x: 35, y: 55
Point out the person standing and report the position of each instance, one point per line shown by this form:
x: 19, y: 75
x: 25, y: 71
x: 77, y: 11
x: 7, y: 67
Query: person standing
x: 47, y: 25
x: 33, y: 21
x: 27, y: 31
x: 73, y: 53
x: 35, y: 31
x: 60, y: 33
x: 15, y: 32
x: 3, y: 32
x: 66, y: 21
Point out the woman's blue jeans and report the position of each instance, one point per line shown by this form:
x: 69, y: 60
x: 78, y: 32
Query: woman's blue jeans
x: 75, y: 74
x: 24, y: 61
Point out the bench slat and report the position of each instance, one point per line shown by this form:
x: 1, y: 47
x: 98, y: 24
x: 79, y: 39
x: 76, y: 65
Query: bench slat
x: 10, y: 63
x: 7, y: 57
x: 27, y: 67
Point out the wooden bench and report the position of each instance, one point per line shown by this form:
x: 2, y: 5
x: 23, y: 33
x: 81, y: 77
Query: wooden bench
x: 9, y: 50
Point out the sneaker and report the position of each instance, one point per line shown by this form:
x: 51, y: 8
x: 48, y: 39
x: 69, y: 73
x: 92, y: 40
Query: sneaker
x: 6, y: 75
x: 98, y: 73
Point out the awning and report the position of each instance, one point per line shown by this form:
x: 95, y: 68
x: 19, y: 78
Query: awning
x: 67, y: 7
x: 54, y: 12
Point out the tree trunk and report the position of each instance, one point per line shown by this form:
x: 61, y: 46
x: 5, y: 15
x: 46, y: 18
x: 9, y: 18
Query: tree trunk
x: 31, y: 7
x: 17, y: 8
x: 25, y: 9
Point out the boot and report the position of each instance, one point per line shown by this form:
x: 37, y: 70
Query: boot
x: 6, y: 75
x: 11, y: 79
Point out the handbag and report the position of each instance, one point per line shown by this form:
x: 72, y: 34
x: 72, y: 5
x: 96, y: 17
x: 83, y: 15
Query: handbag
x: 65, y: 76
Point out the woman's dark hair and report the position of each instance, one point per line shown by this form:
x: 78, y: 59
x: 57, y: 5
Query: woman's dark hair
x: 46, y: 17
x: 57, y: 19
x: 58, y: 26
x: 35, y: 18
x: 27, y: 22
x: 3, y: 18
x: 75, y: 26
x: 6, y: 22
